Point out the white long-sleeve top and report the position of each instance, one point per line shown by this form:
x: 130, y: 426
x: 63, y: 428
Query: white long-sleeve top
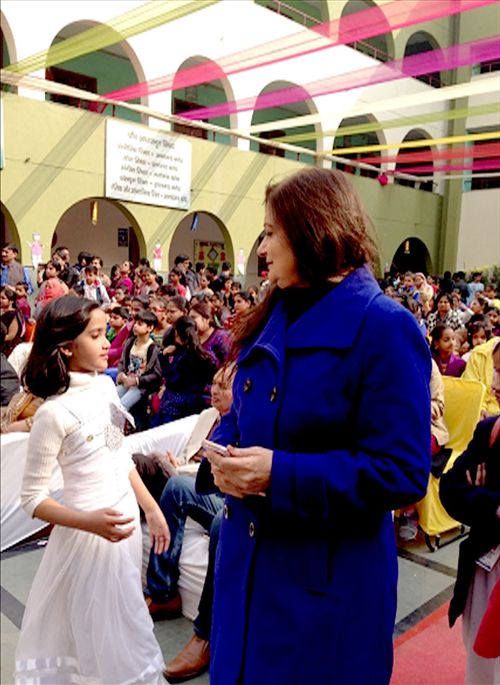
x: 82, y: 429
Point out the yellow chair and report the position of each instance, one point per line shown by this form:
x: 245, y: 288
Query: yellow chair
x: 462, y: 409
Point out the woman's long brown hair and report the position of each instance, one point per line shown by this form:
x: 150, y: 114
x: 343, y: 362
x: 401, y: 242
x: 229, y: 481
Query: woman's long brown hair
x: 328, y: 231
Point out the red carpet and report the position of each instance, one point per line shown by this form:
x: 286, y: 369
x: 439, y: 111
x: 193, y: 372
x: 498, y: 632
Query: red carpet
x: 430, y: 653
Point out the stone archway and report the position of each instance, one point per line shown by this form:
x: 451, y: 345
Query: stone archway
x: 277, y: 113
x: 255, y: 264
x: 101, y: 71
x: 115, y: 235
x: 418, y: 43
x: 411, y: 255
x: 412, y: 167
x: 381, y: 47
x: 203, y: 237
x: 355, y: 132
x: 8, y: 228
x: 215, y: 90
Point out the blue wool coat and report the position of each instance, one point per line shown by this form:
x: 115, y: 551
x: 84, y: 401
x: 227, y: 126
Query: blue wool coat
x: 306, y: 576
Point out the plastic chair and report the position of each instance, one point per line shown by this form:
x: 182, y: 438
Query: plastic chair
x: 29, y: 331
x: 462, y: 410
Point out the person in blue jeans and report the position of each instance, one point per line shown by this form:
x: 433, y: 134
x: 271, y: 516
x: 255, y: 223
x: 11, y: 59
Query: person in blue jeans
x: 178, y: 501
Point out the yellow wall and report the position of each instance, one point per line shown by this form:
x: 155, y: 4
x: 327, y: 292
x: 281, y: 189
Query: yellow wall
x: 54, y: 157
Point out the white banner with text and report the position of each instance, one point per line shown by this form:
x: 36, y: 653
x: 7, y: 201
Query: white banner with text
x: 147, y: 166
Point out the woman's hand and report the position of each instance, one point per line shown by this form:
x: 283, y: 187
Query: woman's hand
x: 159, y: 534
x: 246, y: 471
x: 167, y: 462
x: 479, y: 479
x: 109, y: 524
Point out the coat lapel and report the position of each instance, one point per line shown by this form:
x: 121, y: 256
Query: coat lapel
x: 335, y: 320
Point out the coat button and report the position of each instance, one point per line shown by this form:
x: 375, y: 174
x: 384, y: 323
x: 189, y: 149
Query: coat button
x: 90, y: 438
x: 226, y: 511
x: 247, y: 385
x: 274, y: 394
x: 251, y: 529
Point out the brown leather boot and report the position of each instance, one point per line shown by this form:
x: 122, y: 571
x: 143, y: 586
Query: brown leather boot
x: 193, y: 660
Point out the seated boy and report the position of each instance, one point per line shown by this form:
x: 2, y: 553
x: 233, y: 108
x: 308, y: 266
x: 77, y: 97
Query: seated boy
x: 139, y: 371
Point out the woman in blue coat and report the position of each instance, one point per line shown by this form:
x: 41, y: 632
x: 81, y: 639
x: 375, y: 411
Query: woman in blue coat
x: 329, y: 431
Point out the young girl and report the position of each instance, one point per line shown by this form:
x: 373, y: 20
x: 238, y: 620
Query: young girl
x: 177, y: 279
x: 51, y: 288
x: 442, y: 342
x: 212, y: 339
x: 478, y: 333
x: 12, y: 320
x: 186, y: 372
x: 86, y: 620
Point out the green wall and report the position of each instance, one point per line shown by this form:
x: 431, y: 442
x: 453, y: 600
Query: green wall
x: 111, y: 71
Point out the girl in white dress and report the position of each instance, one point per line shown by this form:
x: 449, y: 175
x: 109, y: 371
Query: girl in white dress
x: 86, y: 621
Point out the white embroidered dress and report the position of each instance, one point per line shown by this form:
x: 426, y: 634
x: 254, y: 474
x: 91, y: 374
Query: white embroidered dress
x: 86, y: 621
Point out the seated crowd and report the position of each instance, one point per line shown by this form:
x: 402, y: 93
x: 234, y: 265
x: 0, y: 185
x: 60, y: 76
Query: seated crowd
x: 170, y: 358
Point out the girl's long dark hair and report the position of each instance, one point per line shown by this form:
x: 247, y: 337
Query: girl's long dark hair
x: 437, y: 334
x: 185, y: 327
x: 60, y: 323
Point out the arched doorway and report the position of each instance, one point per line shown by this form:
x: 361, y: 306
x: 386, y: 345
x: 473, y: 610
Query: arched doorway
x: 412, y: 167
x: 280, y: 112
x: 115, y: 235
x: 380, y: 47
x: 203, y: 237
x: 256, y: 266
x: 8, y: 50
x: 420, y: 42
x: 101, y: 71
x: 8, y: 229
x: 411, y: 255
x: 354, y: 132
x: 215, y: 90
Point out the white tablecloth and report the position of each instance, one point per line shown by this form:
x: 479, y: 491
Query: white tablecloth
x: 15, y: 524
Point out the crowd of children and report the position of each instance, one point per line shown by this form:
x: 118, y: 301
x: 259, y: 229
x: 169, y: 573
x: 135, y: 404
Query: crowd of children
x: 454, y: 315
x: 163, y: 368
x: 161, y: 341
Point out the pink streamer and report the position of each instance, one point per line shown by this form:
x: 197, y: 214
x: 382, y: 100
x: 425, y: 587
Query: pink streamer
x: 423, y: 63
x: 484, y: 165
x: 355, y: 27
x: 475, y: 152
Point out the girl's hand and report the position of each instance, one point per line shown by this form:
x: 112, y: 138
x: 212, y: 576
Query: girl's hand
x: 159, y: 534
x: 170, y: 349
x: 108, y: 523
x: 246, y: 471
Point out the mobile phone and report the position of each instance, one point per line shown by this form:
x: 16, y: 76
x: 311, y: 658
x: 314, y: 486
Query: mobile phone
x: 209, y: 445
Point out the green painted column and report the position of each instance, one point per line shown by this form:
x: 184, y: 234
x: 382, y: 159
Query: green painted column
x: 452, y: 197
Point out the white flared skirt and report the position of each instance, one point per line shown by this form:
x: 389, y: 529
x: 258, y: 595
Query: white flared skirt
x: 86, y: 621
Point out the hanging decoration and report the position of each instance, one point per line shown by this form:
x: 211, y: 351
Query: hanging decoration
x: 94, y: 212
x: 490, y: 135
x: 369, y: 127
x: 482, y: 86
x: 365, y: 24
x: 138, y: 20
x: 452, y: 57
